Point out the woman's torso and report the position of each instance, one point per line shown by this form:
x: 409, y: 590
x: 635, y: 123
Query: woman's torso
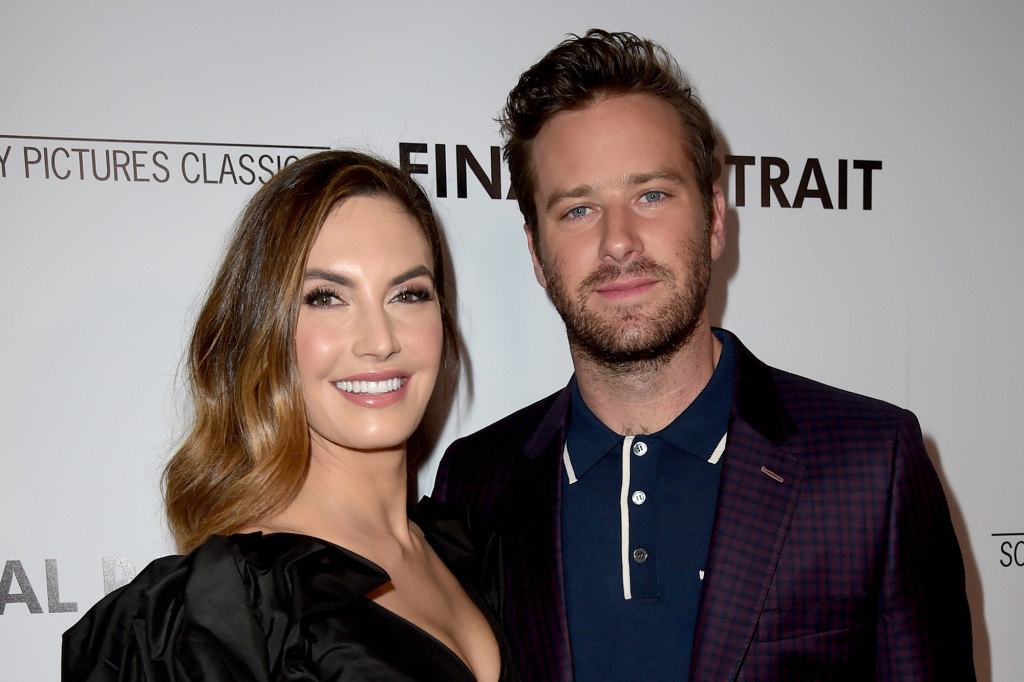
x: 279, y: 607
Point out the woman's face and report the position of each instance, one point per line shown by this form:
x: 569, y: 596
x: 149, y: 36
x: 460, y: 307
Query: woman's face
x: 369, y: 335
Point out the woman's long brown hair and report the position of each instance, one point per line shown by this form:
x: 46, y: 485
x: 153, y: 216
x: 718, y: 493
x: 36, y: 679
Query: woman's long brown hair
x: 247, y: 451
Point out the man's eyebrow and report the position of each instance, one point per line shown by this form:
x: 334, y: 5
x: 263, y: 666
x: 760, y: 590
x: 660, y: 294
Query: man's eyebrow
x: 627, y: 181
x: 574, y: 193
x: 664, y: 174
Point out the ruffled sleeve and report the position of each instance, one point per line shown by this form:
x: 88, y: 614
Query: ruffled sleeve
x: 167, y: 626
x: 280, y: 607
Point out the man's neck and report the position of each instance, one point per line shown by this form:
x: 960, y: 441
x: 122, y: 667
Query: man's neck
x: 652, y: 395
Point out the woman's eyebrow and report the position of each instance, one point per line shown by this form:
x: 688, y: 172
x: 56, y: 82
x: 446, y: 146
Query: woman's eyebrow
x: 412, y: 273
x: 342, y: 280
x: 318, y: 273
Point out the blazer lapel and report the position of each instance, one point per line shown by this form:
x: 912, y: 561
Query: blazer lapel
x: 536, y: 608
x: 757, y: 494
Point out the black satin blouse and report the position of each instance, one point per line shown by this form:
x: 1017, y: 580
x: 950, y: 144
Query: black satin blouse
x: 283, y: 606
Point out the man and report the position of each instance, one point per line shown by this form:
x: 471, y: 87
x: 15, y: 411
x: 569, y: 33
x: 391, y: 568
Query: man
x: 681, y: 510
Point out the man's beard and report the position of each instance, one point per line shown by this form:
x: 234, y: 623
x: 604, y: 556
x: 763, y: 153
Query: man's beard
x: 638, y: 337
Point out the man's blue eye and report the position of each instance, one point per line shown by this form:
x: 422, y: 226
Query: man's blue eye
x: 654, y: 196
x: 577, y: 211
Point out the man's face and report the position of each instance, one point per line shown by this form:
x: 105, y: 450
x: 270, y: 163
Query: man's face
x: 625, y: 246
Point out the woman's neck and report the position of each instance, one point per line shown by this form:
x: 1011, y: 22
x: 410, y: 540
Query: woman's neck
x: 356, y: 499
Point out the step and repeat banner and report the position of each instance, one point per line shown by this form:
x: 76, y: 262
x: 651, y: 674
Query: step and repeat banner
x: 870, y: 153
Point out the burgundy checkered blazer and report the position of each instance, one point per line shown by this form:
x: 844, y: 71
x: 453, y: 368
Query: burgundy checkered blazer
x: 845, y: 569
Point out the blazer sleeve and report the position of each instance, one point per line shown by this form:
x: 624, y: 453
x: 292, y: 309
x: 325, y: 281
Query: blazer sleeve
x: 924, y: 622
x: 440, y: 492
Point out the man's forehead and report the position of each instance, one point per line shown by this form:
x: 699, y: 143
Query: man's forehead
x: 627, y: 131
x: 612, y: 109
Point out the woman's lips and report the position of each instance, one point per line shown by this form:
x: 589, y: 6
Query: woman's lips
x: 374, y: 390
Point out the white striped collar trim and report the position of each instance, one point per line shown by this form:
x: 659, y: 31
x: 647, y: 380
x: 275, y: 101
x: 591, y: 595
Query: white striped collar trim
x: 567, y: 461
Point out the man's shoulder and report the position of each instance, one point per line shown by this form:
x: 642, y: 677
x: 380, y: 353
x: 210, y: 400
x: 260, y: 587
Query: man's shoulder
x: 510, y: 432
x: 813, y: 401
x: 805, y: 398
x: 849, y: 422
x: 797, y: 388
x: 477, y: 468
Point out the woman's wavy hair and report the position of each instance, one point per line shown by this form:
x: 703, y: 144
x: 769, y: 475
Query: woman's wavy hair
x: 247, y: 451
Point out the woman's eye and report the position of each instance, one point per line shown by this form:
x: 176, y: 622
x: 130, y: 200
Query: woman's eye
x: 414, y: 295
x: 321, y: 298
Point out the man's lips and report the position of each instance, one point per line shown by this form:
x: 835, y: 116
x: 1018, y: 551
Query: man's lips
x: 626, y: 288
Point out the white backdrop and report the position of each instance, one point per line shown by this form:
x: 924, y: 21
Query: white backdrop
x: 916, y: 301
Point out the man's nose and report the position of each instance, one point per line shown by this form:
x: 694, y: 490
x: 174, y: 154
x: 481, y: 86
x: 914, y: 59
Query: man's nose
x: 620, y: 236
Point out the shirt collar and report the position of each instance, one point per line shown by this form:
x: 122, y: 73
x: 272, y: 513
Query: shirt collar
x: 697, y: 430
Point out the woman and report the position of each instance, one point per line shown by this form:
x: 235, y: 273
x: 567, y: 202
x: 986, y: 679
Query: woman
x: 311, y: 365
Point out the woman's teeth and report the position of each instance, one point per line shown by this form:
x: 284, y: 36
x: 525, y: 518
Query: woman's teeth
x: 371, y: 387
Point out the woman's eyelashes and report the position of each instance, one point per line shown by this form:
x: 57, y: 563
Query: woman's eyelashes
x: 326, y: 297
x: 413, y: 294
x: 322, y: 297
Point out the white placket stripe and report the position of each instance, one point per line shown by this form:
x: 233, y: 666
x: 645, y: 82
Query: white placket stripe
x: 627, y: 444
x: 719, y: 450
x: 568, y: 464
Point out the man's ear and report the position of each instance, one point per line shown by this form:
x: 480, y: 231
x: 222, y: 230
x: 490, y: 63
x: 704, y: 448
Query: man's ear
x: 716, y: 238
x: 538, y: 271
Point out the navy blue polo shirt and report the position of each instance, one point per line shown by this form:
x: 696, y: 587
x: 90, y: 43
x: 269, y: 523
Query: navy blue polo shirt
x: 636, y: 524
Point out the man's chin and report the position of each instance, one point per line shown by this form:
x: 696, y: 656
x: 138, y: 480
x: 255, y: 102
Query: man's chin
x: 623, y: 351
x: 631, y: 346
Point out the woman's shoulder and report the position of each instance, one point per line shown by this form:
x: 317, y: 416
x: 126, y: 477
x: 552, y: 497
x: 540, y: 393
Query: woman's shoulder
x: 227, y: 595
x: 158, y: 587
x: 141, y: 626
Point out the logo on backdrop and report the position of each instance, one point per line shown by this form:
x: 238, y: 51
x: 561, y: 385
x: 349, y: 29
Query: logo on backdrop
x: 825, y: 184
x: 840, y: 184
x: 465, y: 161
x: 82, y: 159
x: 1011, y: 549
x: 18, y: 587
x: 765, y: 181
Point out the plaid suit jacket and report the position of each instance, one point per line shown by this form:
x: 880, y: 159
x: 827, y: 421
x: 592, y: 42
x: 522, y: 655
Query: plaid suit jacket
x: 847, y: 568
